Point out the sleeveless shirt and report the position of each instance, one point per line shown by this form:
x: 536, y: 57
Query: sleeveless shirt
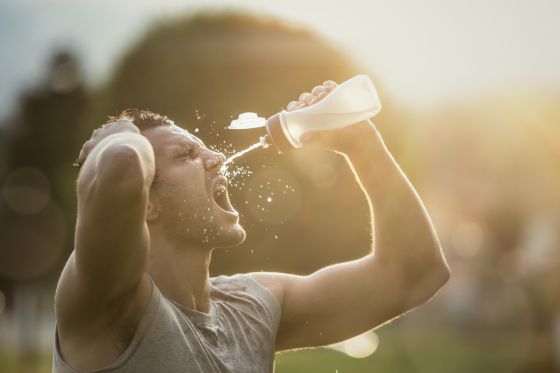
x: 237, y: 335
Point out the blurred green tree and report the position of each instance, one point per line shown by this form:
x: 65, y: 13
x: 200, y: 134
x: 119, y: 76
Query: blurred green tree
x: 40, y: 141
x: 301, y: 210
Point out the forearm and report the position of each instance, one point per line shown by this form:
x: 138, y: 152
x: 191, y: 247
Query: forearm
x: 113, y: 193
x: 403, y: 231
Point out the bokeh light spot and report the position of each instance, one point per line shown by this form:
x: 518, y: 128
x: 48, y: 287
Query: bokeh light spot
x: 360, y: 346
x: 27, y: 190
x: 466, y: 239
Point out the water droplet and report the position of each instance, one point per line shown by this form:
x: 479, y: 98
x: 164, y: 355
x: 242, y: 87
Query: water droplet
x: 269, y: 199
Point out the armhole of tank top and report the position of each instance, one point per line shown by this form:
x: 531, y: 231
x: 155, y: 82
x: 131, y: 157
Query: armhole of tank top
x: 145, y: 322
x: 262, y: 293
x: 58, y: 360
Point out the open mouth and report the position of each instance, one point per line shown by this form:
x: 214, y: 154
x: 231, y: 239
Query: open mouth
x: 221, y: 197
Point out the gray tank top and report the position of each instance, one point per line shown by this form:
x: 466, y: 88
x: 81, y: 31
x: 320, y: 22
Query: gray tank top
x: 237, y: 335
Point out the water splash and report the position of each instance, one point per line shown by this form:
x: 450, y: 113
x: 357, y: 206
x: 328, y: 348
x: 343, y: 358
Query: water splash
x: 261, y: 144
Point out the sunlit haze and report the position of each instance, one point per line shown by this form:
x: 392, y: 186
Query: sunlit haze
x: 424, y: 53
x: 468, y: 135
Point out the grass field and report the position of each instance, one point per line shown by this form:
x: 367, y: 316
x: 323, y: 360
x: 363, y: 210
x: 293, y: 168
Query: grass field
x: 400, y: 350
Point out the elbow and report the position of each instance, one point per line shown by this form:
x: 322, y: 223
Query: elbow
x: 426, y: 280
x: 439, y: 276
x: 124, y: 164
x: 120, y: 167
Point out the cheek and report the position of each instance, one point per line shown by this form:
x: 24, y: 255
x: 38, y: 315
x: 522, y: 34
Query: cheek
x: 187, y: 182
x: 183, y: 192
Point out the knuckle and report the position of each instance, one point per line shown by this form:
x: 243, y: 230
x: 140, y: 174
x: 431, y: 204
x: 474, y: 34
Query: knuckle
x: 303, y: 96
x: 314, y: 100
x: 317, y: 90
x: 292, y: 104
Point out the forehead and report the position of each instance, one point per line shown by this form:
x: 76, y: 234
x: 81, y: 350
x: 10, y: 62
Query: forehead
x: 166, y: 136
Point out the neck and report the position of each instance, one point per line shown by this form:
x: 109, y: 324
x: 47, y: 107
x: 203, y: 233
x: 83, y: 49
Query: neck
x: 181, y: 272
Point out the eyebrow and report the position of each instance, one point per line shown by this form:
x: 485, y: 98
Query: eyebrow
x: 187, y: 144
x: 198, y: 141
x: 190, y: 137
x: 183, y: 145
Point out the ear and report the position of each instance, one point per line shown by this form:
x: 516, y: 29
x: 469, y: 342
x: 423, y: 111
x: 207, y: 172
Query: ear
x: 152, y: 212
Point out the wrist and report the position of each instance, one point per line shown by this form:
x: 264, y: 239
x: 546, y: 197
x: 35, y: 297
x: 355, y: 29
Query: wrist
x: 365, y: 140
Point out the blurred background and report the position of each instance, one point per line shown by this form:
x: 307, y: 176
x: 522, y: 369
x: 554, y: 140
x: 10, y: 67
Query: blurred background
x: 471, y: 95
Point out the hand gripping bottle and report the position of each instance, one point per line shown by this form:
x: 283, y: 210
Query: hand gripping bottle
x: 353, y: 101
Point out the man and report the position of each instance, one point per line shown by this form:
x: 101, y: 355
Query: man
x: 136, y: 296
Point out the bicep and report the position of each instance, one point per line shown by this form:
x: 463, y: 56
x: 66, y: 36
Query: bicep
x: 337, y: 302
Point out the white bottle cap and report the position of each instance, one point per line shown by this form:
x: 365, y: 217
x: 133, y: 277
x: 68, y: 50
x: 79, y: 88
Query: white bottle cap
x: 247, y: 121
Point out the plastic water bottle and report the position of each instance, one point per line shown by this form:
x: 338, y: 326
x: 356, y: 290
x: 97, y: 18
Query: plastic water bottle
x: 352, y: 101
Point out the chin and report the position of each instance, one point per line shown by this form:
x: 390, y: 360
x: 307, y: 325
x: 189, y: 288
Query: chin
x: 234, y: 236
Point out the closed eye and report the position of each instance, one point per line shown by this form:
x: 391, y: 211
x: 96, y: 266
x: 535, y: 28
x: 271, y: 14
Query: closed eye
x: 188, y: 153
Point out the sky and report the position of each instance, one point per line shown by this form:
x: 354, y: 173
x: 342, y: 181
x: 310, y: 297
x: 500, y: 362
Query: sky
x: 425, y: 53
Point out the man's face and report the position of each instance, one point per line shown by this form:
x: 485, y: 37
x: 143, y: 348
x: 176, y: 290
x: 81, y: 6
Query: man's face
x: 189, y: 195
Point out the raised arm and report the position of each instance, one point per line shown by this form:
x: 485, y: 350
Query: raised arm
x: 112, y: 240
x: 404, y: 269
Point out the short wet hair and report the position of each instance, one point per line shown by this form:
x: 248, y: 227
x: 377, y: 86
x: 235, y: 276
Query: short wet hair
x: 143, y: 119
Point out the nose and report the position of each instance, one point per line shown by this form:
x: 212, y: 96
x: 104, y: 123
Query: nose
x: 213, y: 160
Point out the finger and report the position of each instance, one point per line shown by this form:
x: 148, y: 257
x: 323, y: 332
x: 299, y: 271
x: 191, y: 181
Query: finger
x: 313, y: 100
x: 329, y: 85
x: 118, y: 122
x: 291, y: 105
x: 124, y: 121
x: 316, y: 90
x: 305, y: 96
x: 318, y: 98
x: 81, y: 157
x: 84, y: 152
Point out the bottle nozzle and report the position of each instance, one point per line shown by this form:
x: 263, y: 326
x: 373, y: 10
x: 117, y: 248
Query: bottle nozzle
x: 265, y: 141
